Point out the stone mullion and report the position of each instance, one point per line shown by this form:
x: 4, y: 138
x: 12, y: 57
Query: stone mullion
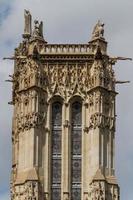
x: 85, y: 151
x: 69, y: 149
x: 65, y: 153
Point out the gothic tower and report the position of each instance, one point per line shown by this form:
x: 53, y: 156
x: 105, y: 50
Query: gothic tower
x: 63, y: 133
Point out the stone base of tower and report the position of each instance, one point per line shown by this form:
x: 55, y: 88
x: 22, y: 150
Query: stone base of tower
x: 103, y: 188
x: 27, y: 186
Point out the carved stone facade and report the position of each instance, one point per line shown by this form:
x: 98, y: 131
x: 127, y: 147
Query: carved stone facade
x: 79, y: 146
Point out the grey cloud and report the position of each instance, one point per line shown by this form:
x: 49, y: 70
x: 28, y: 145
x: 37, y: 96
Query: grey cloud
x: 5, y: 136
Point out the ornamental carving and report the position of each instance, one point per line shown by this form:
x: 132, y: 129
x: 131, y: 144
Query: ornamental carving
x: 98, y: 120
x: 29, y: 191
x: 113, y: 192
x: 67, y: 80
x: 102, y: 74
x: 66, y: 196
x: 30, y: 120
x: 100, y: 190
x: 22, y: 50
x: 97, y: 190
x: 61, y: 79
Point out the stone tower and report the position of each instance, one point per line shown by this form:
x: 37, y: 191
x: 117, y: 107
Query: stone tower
x: 63, y: 132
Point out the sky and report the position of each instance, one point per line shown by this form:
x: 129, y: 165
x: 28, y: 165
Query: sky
x: 72, y: 21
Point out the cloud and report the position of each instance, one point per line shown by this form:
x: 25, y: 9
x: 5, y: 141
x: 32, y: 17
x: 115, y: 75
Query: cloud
x: 5, y: 196
x: 5, y: 131
x: 67, y: 21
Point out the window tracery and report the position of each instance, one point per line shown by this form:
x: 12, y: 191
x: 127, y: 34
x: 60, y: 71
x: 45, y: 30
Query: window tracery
x: 76, y: 139
x: 56, y: 150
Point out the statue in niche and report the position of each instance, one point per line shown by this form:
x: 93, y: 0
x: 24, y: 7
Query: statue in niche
x: 28, y: 19
x: 98, y: 31
x: 38, y: 29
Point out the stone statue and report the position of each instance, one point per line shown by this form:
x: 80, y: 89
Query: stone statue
x: 98, y: 31
x: 28, y: 20
x: 38, y: 29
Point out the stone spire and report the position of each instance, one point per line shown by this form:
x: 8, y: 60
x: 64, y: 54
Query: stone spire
x: 37, y: 32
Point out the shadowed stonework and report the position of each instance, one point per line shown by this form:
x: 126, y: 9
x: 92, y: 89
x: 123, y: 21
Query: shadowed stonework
x: 63, y: 131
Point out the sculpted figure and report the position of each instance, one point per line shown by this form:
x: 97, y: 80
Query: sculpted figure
x: 38, y: 29
x: 28, y: 18
x: 98, y: 31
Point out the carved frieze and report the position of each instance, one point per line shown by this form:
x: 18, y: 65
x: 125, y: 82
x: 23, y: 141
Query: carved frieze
x: 102, y: 74
x: 99, y: 120
x: 97, y: 190
x: 27, y: 112
x: 64, y: 79
x: 101, y: 190
x: 30, y: 120
x: 29, y: 191
x: 67, y: 79
x: 113, y: 192
x: 22, y: 49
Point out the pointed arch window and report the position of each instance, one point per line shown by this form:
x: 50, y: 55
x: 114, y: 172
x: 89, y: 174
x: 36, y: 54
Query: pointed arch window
x: 56, y: 150
x: 76, y: 141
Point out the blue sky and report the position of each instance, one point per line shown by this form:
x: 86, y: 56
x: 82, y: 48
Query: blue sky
x: 72, y: 21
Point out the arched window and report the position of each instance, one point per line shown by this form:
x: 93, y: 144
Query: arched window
x: 56, y: 150
x: 76, y: 140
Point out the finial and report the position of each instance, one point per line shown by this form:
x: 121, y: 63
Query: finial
x: 27, y: 26
x: 98, y: 31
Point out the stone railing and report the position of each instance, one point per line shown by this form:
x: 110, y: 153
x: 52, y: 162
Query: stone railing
x: 65, y: 49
